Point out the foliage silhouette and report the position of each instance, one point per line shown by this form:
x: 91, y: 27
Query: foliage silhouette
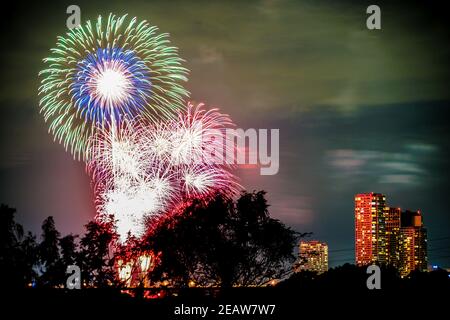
x: 17, y: 253
x: 223, y: 243
x: 95, y: 257
x: 49, y: 255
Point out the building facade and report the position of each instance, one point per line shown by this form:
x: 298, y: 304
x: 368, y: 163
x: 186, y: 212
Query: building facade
x: 370, y: 233
x: 412, y: 243
x: 313, y: 256
x: 393, y: 225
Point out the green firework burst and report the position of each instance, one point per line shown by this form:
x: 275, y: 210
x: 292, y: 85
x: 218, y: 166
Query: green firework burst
x: 106, y: 72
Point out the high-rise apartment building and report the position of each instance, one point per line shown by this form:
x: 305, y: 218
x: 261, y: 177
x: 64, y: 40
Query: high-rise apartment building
x: 313, y: 256
x: 412, y: 243
x: 392, y: 220
x: 370, y: 233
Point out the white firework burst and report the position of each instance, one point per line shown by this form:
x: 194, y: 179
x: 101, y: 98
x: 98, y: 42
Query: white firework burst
x: 142, y: 171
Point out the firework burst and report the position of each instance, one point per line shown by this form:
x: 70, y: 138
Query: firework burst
x: 144, y: 171
x: 100, y: 74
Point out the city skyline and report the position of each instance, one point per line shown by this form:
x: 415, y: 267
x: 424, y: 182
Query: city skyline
x: 400, y: 239
x: 389, y: 236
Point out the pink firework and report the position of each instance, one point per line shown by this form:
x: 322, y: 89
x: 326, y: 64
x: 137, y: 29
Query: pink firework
x: 143, y: 171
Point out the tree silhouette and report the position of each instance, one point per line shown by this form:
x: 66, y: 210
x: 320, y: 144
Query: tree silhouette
x: 11, y: 254
x: 49, y: 255
x: 223, y: 243
x: 95, y: 258
x: 29, y: 259
x: 68, y: 250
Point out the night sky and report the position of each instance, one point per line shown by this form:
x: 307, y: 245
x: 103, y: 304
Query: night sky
x: 358, y: 110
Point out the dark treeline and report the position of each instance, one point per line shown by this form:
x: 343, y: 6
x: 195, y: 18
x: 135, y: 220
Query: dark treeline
x: 352, y: 278
x: 219, y: 242
x: 27, y: 262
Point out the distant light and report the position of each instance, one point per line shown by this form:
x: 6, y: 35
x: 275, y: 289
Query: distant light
x: 435, y: 267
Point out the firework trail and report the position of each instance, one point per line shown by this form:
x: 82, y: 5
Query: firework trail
x: 105, y: 72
